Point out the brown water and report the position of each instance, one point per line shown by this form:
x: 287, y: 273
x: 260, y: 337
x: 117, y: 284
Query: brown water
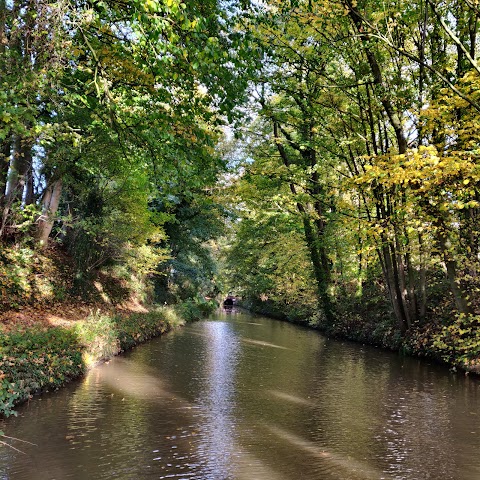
x: 244, y: 398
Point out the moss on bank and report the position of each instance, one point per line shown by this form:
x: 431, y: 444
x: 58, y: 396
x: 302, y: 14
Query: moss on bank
x: 38, y: 359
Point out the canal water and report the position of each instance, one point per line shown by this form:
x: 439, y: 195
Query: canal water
x: 242, y: 397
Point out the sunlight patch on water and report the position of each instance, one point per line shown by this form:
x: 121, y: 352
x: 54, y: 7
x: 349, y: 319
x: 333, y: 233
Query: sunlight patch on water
x: 356, y: 470
x: 291, y: 398
x: 261, y: 343
x: 123, y: 377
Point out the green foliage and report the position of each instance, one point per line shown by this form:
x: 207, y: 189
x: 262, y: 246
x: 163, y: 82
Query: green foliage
x: 196, y: 308
x: 267, y: 264
x: 15, y: 274
x: 196, y: 220
x: 35, y: 360
x: 459, y: 342
x: 118, y: 107
x: 9, y: 396
x: 32, y: 276
x: 99, y: 336
x: 455, y: 342
x: 369, y: 137
x: 104, y: 336
x: 359, y: 180
x: 21, y: 223
x: 365, y: 319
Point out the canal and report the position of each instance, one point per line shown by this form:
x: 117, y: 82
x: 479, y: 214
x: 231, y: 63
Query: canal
x: 242, y: 397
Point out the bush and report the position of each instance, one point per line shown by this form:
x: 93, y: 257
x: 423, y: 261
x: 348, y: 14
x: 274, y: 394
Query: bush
x: 34, y: 360
x: 196, y: 309
x: 140, y: 327
x: 104, y: 336
x: 459, y: 342
x: 99, y: 336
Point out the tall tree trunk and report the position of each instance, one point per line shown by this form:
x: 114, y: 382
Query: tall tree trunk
x: 317, y: 255
x: 50, y: 203
x: 5, y: 144
x: 316, y: 190
x: 318, y: 270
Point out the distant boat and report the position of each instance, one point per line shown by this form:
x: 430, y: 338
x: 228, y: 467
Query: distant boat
x: 229, y: 302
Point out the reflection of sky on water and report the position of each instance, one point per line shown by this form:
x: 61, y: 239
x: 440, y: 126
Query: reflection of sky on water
x: 217, y: 440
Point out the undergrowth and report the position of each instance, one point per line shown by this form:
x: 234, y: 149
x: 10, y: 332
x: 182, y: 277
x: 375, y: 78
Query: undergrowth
x: 455, y: 342
x: 196, y: 308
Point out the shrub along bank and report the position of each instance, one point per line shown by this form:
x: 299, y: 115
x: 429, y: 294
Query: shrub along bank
x: 40, y: 359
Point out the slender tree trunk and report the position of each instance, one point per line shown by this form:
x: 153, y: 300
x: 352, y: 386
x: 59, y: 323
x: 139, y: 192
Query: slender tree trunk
x: 399, y: 270
x: 388, y: 254
x: 5, y: 150
x: 422, y: 308
x: 411, y: 293
x: 5, y: 145
x: 21, y: 164
x: 30, y: 188
x: 472, y: 31
x: 3, y: 19
x: 393, y: 287
x: 460, y: 296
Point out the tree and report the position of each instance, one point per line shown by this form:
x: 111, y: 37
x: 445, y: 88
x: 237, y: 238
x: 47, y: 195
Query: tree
x: 361, y: 96
x: 114, y: 107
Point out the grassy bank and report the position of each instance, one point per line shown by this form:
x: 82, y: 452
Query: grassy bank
x: 38, y: 359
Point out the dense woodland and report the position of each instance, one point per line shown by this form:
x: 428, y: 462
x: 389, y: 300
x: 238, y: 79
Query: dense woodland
x: 110, y: 116
x: 317, y: 158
